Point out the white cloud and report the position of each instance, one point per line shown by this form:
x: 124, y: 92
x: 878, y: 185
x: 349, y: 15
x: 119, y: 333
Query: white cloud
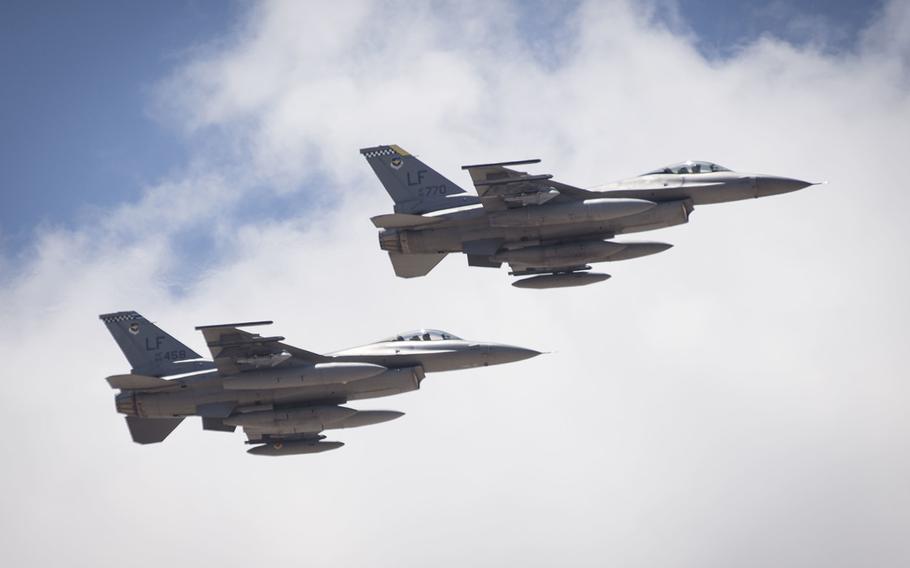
x: 739, y: 399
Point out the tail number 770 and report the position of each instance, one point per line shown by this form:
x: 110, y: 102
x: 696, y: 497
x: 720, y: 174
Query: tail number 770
x: 432, y: 190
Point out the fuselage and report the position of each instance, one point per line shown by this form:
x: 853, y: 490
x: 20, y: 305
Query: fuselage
x: 434, y: 356
x: 700, y: 188
x: 466, y: 227
x: 406, y: 362
x: 673, y: 196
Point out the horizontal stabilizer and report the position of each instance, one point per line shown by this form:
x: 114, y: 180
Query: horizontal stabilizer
x: 413, y: 265
x: 182, y: 367
x: 402, y: 221
x: 151, y: 430
x: 137, y: 382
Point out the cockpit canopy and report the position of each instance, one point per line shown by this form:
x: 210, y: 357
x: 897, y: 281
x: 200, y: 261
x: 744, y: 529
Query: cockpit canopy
x: 689, y: 167
x: 421, y: 335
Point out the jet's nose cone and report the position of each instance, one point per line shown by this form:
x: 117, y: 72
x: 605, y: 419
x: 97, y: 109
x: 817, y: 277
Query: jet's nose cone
x: 774, y: 185
x: 509, y: 354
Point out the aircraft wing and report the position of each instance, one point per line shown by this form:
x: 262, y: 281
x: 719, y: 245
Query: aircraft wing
x: 235, y: 350
x: 500, y: 187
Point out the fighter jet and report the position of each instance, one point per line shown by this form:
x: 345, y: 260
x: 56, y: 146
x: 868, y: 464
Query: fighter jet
x: 544, y: 229
x: 282, y: 396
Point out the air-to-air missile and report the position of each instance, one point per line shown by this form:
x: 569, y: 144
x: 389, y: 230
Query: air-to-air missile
x: 281, y: 396
x: 542, y: 228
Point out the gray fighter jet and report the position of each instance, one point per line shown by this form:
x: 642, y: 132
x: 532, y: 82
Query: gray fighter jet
x: 283, y: 397
x: 542, y: 228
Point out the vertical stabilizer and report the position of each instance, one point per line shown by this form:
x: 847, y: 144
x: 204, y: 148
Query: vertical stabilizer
x: 415, y: 187
x: 150, y: 350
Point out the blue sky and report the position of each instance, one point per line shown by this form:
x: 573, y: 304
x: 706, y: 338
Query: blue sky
x: 81, y: 130
x: 722, y: 27
x: 77, y: 91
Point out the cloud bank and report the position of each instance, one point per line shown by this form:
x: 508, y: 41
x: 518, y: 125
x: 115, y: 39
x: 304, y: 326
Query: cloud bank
x: 738, y: 400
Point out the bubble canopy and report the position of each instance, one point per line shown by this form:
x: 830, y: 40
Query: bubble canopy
x: 420, y: 335
x: 689, y: 167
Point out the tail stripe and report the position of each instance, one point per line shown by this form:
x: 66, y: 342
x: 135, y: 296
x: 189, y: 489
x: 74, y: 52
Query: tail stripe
x: 120, y: 316
x: 378, y: 153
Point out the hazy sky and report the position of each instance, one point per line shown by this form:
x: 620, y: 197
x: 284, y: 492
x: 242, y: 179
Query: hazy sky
x: 739, y: 400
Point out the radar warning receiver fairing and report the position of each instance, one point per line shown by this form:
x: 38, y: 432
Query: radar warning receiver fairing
x: 544, y: 229
x: 282, y: 396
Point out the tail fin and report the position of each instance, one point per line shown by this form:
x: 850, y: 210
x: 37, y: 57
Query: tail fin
x: 150, y: 350
x: 414, y: 186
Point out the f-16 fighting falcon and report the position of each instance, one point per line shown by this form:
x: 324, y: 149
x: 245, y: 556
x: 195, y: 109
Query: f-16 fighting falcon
x: 544, y: 229
x: 283, y: 397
